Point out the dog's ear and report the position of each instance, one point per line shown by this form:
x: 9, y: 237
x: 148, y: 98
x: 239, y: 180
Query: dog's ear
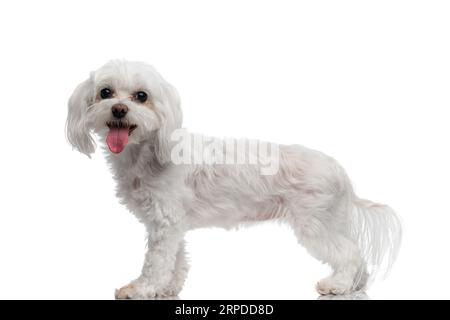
x: 76, y: 131
x: 171, y: 119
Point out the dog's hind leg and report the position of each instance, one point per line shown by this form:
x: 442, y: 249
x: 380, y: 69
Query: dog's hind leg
x: 324, y: 233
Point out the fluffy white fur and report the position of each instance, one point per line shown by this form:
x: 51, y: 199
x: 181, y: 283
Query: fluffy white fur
x: 311, y: 192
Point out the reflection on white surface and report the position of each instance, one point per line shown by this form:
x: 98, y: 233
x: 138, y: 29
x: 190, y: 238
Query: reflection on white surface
x: 166, y: 298
x: 358, y: 295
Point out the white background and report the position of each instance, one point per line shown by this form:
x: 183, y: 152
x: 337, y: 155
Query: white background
x: 364, y: 81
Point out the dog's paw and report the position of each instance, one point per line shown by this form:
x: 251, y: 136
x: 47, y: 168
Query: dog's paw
x: 136, y: 290
x: 334, y: 285
x: 171, y: 290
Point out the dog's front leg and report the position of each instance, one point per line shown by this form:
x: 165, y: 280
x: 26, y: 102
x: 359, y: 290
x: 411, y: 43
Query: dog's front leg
x: 165, y: 235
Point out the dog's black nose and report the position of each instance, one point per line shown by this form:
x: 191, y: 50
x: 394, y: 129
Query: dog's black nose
x: 119, y: 110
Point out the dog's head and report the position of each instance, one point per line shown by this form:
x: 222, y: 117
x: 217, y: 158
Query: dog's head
x: 124, y: 103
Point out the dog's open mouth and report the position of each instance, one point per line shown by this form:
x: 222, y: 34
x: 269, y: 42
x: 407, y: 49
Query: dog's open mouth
x: 118, y: 134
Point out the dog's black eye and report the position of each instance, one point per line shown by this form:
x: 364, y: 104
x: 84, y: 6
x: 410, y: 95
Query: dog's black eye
x: 141, y: 96
x: 106, y: 93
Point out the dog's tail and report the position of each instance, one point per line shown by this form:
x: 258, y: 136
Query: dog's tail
x: 378, y: 232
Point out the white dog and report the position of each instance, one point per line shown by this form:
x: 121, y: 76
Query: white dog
x: 135, y: 111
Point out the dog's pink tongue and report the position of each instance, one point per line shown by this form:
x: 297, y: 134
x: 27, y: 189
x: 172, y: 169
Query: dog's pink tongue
x: 117, y: 139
